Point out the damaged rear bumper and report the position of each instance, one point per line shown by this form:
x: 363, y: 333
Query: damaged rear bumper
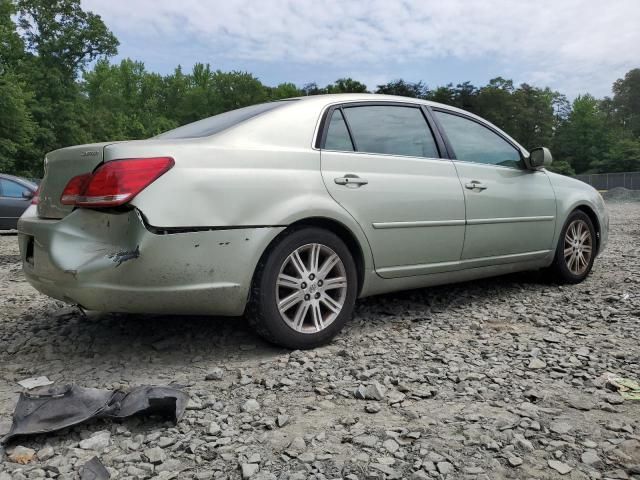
x: 112, y: 262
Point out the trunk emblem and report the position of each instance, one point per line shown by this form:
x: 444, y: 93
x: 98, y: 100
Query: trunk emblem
x: 89, y: 153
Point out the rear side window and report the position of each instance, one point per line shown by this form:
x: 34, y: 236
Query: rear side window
x: 338, y: 137
x: 473, y: 142
x: 392, y: 130
x: 223, y: 121
x: 12, y: 189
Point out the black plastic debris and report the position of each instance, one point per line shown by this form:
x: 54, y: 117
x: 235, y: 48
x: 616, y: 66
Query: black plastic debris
x: 54, y: 408
x: 94, y: 470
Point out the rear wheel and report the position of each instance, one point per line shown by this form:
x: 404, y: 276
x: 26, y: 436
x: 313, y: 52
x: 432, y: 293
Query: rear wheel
x: 576, y: 249
x: 305, y: 289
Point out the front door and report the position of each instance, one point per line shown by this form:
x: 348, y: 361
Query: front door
x: 382, y: 164
x: 510, y: 210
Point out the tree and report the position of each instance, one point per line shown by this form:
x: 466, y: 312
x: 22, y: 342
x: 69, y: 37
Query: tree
x: 283, y: 90
x: 63, y: 35
x: 623, y: 156
x: 16, y: 125
x: 61, y: 39
x: 404, y: 89
x: 626, y: 101
x: 346, y: 85
x: 583, y: 139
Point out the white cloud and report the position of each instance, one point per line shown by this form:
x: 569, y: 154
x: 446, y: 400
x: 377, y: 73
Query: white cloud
x: 578, y: 44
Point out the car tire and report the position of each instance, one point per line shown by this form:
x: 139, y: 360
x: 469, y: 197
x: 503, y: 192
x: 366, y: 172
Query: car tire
x: 576, y: 249
x: 304, y: 289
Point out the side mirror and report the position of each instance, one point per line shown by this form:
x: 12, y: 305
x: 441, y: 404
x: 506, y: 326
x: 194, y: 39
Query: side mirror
x: 27, y: 194
x: 538, y: 158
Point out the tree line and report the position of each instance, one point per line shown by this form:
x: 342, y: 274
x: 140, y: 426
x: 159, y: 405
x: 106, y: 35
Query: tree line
x: 58, y: 88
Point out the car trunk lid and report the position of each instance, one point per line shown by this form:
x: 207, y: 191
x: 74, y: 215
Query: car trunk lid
x: 60, y: 167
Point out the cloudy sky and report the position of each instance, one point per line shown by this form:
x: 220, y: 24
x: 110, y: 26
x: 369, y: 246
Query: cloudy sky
x: 575, y: 46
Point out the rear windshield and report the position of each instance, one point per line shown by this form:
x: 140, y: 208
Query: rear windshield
x: 218, y: 123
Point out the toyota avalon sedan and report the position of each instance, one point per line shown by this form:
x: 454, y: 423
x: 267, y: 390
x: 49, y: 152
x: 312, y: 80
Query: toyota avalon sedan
x: 289, y: 211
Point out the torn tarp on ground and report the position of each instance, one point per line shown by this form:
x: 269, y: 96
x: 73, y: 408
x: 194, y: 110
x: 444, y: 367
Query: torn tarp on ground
x: 54, y: 408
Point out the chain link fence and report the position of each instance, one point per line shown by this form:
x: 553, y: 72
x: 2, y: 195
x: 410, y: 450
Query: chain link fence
x: 607, y: 181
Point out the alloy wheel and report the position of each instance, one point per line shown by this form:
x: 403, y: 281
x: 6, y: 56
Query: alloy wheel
x: 578, y: 247
x: 311, y: 288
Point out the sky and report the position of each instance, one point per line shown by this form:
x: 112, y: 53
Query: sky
x: 574, y: 46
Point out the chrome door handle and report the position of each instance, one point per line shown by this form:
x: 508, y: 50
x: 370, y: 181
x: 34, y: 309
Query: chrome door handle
x: 351, y: 179
x: 475, y: 185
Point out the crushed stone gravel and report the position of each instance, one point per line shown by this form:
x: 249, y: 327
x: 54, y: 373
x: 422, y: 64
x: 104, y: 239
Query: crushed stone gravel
x: 483, y: 380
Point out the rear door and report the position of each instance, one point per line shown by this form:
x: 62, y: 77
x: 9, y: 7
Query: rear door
x: 13, y: 202
x: 381, y: 162
x: 510, y: 210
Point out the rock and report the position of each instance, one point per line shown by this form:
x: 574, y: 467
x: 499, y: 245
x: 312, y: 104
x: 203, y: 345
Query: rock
x: 45, y: 453
x: 391, y: 445
x: 298, y: 444
x: 215, y: 374
x: 22, y: 455
x: 444, y: 468
x: 307, y: 457
x: 590, y: 457
x: 154, y: 455
x: 581, y: 404
x: 365, y: 440
x: 537, y: 364
x: 560, y: 467
x: 282, y: 420
x: 374, y: 391
x: 251, y: 405
x: 389, y: 472
x: 249, y: 469
x: 514, y: 461
x: 372, y: 408
x: 560, y: 427
x: 98, y: 441
x: 214, y: 429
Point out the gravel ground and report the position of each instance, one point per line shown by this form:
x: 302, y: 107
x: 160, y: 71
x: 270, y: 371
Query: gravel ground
x: 484, y: 380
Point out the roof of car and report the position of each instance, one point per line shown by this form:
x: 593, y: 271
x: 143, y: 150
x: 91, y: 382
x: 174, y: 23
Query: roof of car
x: 372, y: 97
x: 21, y: 180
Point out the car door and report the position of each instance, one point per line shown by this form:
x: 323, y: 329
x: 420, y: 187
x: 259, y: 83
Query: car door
x: 381, y: 162
x: 510, y: 210
x: 12, y: 202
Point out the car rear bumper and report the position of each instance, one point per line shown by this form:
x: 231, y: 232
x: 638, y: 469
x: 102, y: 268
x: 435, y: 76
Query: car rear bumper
x: 112, y: 262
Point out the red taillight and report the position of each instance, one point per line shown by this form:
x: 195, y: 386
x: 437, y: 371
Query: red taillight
x: 114, y: 183
x: 74, y: 189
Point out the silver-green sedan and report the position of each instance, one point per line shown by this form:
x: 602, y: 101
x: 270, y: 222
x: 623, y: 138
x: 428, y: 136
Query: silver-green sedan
x: 289, y: 211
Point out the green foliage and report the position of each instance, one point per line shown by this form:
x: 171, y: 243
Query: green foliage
x: 57, y: 88
x: 16, y: 125
x: 626, y: 101
x: 623, y: 156
x: 404, y: 89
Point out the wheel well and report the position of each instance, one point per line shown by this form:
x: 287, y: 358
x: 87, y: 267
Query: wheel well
x: 338, y: 229
x: 594, y: 219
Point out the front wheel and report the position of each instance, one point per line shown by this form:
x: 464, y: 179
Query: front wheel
x: 305, y: 289
x: 576, y: 249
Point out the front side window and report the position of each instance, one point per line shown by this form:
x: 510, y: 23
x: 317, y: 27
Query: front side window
x: 392, y: 130
x: 473, y: 142
x: 338, y: 137
x: 12, y: 189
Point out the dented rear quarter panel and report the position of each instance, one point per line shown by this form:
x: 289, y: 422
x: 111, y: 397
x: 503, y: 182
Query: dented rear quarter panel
x: 111, y: 262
